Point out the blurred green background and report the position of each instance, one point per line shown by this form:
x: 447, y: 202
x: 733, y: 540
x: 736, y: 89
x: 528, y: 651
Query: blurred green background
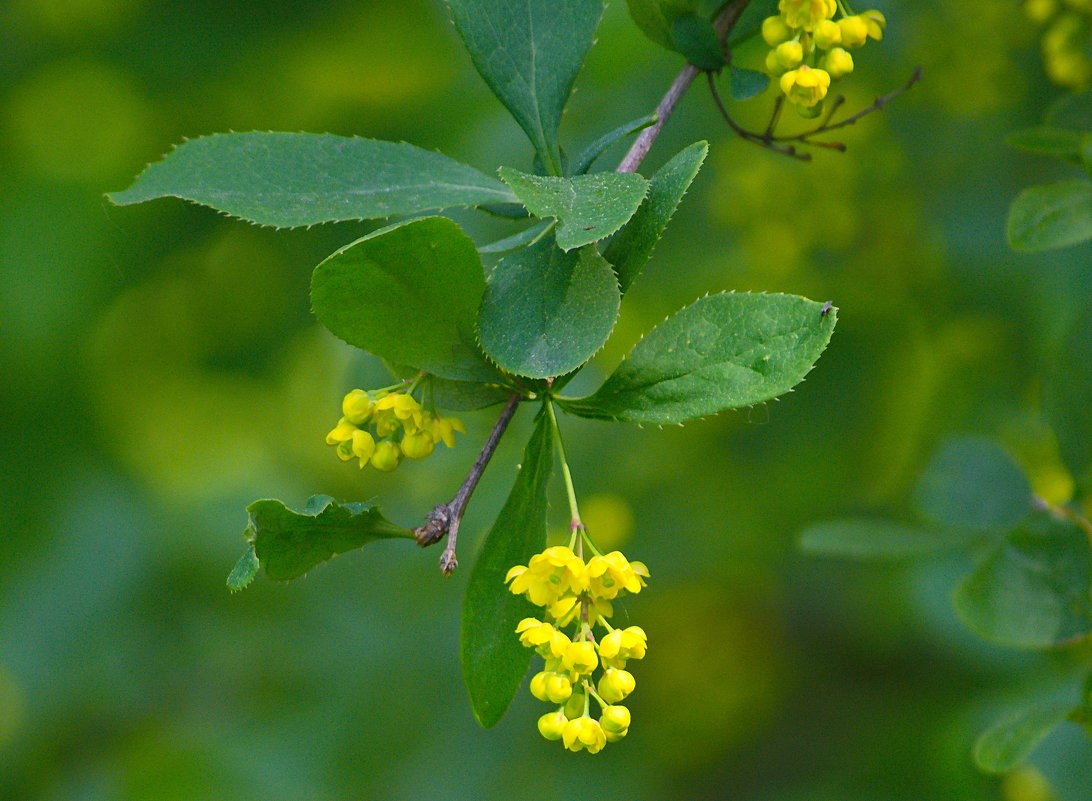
x: 161, y: 370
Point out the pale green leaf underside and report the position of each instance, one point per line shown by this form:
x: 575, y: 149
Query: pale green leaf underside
x: 587, y: 207
x: 288, y: 543
x: 494, y: 661
x: 546, y: 312
x: 529, y: 53
x: 408, y: 293
x: 288, y: 180
x: 629, y: 250
x: 1005, y: 745
x: 1034, y: 590
x: 722, y: 352
x: 875, y: 540
x: 587, y: 157
x: 244, y: 571
x: 973, y: 484
x: 1051, y: 216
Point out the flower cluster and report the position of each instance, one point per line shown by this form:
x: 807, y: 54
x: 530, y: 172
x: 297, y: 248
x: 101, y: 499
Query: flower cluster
x: 1067, y: 40
x: 399, y: 427
x: 811, y: 48
x: 578, y: 594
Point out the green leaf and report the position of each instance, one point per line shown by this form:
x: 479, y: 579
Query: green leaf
x: 1034, y: 590
x: 524, y: 237
x: 875, y: 540
x: 494, y: 661
x: 288, y: 543
x: 1008, y: 743
x: 1051, y: 216
x: 291, y: 179
x: 695, y: 38
x: 1068, y: 394
x: 587, y: 207
x: 465, y: 396
x: 743, y: 84
x: 546, y: 312
x: 596, y: 149
x: 973, y: 484
x: 1073, y: 112
x: 656, y: 17
x: 244, y: 571
x: 628, y: 250
x: 529, y: 52
x: 1060, y: 142
x: 408, y: 293
x: 722, y: 352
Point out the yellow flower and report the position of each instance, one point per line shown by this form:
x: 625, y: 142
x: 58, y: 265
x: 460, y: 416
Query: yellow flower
x: 615, y: 720
x: 552, y: 725
x: 580, y: 658
x: 789, y: 54
x: 623, y: 644
x: 854, y: 31
x: 584, y: 733
x: 615, y: 684
x: 805, y: 86
x: 548, y: 576
x: 875, y: 22
x: 418, y: 445
x: 356, y: 406
x: 775, y: 31
x: 363, y: 446
x: 838, y: 63
x: 827, y: 34
x: 544, y: 638
x: 607, y: 576
x: 443, y: 429
x: 342, y: 432
x: 806, y: 14
x: 387, y: 456
x: 565, y: 609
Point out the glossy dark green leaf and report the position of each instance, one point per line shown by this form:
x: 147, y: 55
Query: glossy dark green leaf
x: 292, y: 179
x: 1060, y: 142
x: 722, y: 352
x: 593, y: 151
x: 529, y: 52
x: 695, y: 38
x: 875, y: 540
x: 743, y: 84
x: 973, y: 484
x: 629, y: 250
x: 494, y: 661
x: 1005, y: 745
x: 409, y: 294
x: 546, y: 312
x: 587, y: 207
x: 1051, y: 216
x: 1034, y: 590
x: 1068, y: 394
x: 288, y: 543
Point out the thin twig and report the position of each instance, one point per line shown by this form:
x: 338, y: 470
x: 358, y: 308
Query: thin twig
x: 446, y: 517
x: 643, y: 143
x: 769, y: 140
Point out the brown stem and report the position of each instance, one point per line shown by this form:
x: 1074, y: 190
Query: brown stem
x: 446, y: 517
x: 724, y: 24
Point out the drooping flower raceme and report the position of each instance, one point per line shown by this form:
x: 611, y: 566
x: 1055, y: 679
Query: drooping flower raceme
x: 399, y: 427
x: 810, y: 48
x: 581, y: 667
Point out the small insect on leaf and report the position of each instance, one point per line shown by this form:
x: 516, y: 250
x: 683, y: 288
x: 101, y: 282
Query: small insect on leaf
x: 823, y: 312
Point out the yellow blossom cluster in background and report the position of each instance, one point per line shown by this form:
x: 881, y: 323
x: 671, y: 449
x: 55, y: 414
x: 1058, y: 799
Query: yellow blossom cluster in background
x: 811, y: 48
x: 1067, y: 40
x: 400, y: 427
x: 580, y: 594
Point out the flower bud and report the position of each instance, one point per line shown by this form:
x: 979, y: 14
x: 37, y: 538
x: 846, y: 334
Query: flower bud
x: 790, y: 54
x: 538, y: 685
x: 552, y: 725
x: 615, y: 736
x: 805, y: 86
x: 558, y: 688
x: 614, y: 719
x: 387, y: 456
x: 854, y: 31
x: 838, y: 62
x: 827, y: 34
x: 356, y: 406
x: 418, y: 445
x: 616, y: 684
x: 580, y: 657
x: 775, y: 31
